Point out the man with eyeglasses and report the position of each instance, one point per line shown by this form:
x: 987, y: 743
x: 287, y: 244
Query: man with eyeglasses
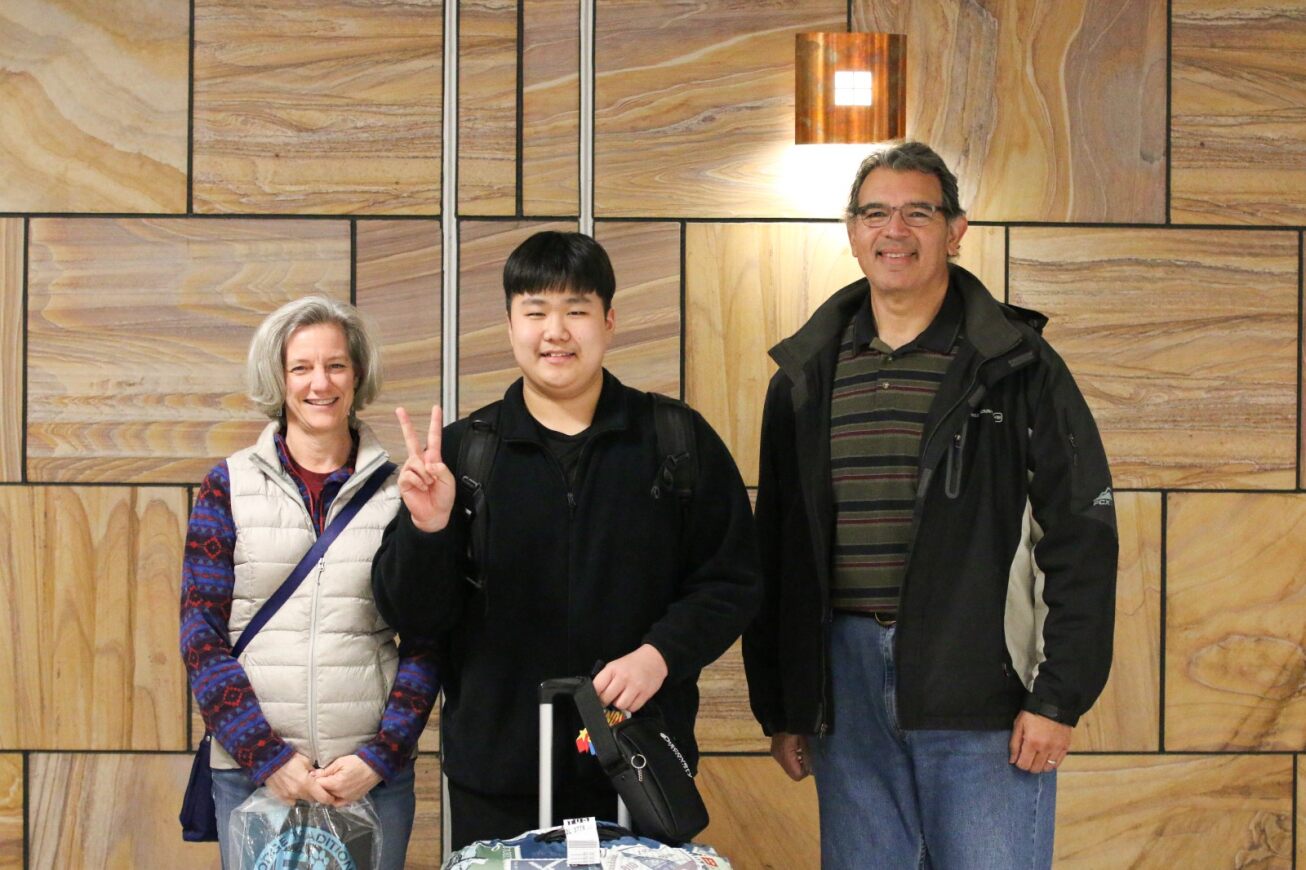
x: 938, y: 538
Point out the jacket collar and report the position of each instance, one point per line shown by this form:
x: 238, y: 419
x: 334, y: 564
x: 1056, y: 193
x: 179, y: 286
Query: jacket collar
x: 986, y: 326
x: 369, y: 457
x: 611, y: 413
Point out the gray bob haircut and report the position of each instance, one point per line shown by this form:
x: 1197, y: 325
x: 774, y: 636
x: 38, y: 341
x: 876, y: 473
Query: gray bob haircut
x: 265, y: 367
x: 909, y: 157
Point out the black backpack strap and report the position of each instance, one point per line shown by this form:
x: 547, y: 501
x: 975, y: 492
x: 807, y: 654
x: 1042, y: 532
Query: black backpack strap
x: 475, y: 460
x: 678, y: 472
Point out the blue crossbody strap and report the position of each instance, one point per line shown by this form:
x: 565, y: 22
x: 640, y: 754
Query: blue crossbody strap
x: 312, y: 557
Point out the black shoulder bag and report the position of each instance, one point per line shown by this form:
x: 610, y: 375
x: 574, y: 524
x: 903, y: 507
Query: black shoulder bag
x: 643, y: 764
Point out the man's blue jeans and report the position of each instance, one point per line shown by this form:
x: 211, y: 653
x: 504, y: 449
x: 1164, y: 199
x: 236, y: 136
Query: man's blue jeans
x: 394, y: 801
x: 902, y: 799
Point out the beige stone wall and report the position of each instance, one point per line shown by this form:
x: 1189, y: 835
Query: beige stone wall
x: 1136, y: 169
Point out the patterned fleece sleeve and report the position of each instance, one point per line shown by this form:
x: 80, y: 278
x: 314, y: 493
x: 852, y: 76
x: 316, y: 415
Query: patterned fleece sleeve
x: 226, y: 699
x: 406, y: 711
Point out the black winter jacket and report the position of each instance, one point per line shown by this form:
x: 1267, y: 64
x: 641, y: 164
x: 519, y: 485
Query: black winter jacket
x: 1008, y: 600
x: 571, y: 578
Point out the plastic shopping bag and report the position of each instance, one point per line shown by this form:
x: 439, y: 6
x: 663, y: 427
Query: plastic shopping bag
x: 267, y: 834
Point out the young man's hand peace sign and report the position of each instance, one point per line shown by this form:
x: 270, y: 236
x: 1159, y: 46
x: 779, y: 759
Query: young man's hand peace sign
x: 425, y: 482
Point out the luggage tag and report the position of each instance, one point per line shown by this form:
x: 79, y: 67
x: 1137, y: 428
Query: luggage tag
x: 582, y: 841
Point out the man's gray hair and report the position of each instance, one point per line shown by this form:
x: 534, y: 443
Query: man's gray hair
x: 265, y: 366
x: 909, y: 157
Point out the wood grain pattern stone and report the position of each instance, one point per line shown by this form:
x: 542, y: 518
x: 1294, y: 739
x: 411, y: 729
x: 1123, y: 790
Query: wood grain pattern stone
x: 196, y: 722
x: 91, y: 577
x: 694, y: 105
x: 749, y: 285
x: 1155, y: 326
x: 11, y: 349
x: 1301, y: 457
x: 984, y: 255
x: 760, y: 818
x: 487, y: 107
x: 645, y: 353
x: 424, y: 847
x: 1046, y: 111
x: 429, y: 742
x: 725, y: 721
x: 1300, y: 832
x: 1175, y: 811
x: 1238, y: 112
x: 317, y: 107
x: 112, y: 811
x: 12, y: 789
x: 1126, y: 718
x: 551, y: 107
x: 1235, y: 604
x: 95, y: 99
x: 398, y: 285
x: 137, y: 334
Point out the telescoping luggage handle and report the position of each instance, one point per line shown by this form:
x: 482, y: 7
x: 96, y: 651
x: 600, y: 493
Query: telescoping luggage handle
x: 550, y: 690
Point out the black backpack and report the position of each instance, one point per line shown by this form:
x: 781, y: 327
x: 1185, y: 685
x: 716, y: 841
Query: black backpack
x: 676, y: 476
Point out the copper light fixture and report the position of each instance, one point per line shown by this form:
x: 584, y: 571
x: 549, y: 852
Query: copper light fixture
x: 850, y: 87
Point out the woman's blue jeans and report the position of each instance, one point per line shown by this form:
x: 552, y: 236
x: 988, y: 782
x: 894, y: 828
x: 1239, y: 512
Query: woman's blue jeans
x: 904, y: 799
x: 394, y: 801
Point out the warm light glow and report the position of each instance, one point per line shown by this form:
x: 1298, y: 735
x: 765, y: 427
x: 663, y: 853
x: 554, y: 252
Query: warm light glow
x: 814, y: 179
x: 852, y: 87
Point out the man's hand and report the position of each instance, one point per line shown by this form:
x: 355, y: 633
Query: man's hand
x: 790, y: 752
x: 1038, y: 744
x: 293, y: 781
x: 425, y: 482
x: 347, y: 779
x: 628, y: 682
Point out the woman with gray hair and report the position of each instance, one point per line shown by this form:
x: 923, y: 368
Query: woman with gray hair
x: 322, y: 705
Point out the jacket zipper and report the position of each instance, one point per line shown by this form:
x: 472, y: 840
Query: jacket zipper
x: 571, y: 516
x: 312, y: 666
x: 965, y: 394
x: 920, y: 491
x: 953, y: 471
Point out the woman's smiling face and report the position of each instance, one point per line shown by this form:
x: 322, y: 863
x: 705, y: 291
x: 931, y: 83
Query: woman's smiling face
x: 320, y: 379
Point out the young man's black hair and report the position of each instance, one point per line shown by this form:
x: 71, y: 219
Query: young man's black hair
x: 551, y: 260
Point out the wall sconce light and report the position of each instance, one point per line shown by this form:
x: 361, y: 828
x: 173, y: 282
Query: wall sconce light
x: 850, y: 87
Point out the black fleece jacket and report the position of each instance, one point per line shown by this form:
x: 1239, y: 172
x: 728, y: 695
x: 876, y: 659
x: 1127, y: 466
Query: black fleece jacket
x: 572, y: 577
x: 1008, y: 599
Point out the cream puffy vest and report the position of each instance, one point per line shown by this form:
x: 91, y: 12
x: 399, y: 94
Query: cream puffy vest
x: 323, y: 666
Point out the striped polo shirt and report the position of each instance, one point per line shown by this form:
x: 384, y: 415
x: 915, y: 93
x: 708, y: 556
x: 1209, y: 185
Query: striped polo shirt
x: 878, y: 407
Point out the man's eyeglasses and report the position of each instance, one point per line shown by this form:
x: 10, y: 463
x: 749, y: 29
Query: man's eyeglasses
x: 914, y: 214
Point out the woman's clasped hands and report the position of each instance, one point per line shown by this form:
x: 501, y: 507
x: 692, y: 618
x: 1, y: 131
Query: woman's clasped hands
x: 341, y: 782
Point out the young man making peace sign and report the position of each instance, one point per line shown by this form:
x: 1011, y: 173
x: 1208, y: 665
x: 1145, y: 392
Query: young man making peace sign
x: 584, y: 559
